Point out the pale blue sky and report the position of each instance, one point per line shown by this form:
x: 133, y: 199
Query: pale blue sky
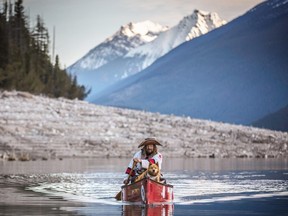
x: 83, y: 24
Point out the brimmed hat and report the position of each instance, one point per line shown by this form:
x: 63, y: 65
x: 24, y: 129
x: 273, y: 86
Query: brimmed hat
x: 149, y: 141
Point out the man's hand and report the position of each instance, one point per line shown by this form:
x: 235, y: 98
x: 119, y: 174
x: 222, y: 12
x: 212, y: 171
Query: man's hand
x: 126, y: 181
x: 137, y: 160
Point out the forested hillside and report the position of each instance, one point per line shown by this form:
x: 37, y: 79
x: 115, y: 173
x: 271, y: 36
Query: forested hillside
x: 25, y: 63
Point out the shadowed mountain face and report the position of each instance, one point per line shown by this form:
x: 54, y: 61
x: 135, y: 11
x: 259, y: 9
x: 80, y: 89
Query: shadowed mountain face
x: 274, y: 121
x: 237, y: 73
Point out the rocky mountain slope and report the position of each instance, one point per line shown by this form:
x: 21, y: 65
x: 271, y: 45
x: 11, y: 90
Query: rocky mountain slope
x: 35, y: 127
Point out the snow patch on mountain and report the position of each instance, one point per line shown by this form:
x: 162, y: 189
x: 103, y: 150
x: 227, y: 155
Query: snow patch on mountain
x: 146, y: 31
x: 279, y: 3
x: 270, y: 4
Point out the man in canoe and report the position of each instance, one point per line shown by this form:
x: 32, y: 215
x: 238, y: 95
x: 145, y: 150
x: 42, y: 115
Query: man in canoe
x: 141, y: 159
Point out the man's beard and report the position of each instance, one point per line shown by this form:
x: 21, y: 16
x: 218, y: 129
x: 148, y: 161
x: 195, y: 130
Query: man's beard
x: 149, y: 152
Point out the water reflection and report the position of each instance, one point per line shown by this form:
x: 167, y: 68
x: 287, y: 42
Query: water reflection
x: 147, y: 210
x: 89, y: 187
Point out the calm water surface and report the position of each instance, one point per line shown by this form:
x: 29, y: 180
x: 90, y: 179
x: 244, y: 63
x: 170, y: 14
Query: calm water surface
x: 201, y: 187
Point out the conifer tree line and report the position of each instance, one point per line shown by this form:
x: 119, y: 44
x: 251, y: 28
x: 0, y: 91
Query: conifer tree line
x: 25, y: 64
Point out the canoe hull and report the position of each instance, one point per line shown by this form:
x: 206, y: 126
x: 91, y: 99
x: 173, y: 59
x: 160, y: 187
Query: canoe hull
x: 148, y: 192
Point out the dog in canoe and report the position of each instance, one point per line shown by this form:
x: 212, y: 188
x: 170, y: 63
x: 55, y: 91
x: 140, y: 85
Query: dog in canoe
x: 153, y: 172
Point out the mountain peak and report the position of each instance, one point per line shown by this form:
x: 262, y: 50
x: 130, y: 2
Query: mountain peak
x: 146, y: 30
x: 200, y: 22
x: 196, y: 11
x: 128, y: 37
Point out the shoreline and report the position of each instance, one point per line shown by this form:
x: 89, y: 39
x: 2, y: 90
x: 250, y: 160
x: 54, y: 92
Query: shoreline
x: 19, y: 158
x: 40, y: 128
x: 76, y: 165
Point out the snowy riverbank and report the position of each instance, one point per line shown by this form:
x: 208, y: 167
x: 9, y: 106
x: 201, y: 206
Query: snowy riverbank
x: 35, y: 127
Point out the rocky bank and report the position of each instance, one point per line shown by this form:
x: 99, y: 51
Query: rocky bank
x: 36, y: 127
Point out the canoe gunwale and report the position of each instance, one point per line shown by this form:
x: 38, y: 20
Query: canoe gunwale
x: 128, y: 185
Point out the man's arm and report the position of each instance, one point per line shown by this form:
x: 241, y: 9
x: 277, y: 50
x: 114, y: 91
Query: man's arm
x: 129, y: 168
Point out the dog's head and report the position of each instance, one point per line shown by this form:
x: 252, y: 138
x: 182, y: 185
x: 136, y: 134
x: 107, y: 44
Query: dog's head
x: 153, y: 169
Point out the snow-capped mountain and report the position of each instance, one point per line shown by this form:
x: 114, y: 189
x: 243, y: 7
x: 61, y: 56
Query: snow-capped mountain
x: 195, y: 25
x: 237, y: 73
x: 128, y: 37
x: 125, y: 39
x: 136, y: 46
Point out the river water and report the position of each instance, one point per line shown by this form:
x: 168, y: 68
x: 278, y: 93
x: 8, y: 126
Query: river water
x: 88, y: 186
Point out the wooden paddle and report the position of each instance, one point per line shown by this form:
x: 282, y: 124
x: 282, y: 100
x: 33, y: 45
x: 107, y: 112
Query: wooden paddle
x: 119, y: 194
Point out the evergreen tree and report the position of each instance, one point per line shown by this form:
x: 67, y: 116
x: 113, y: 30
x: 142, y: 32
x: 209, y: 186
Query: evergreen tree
x: 3, y: 37
x: 24, y: 57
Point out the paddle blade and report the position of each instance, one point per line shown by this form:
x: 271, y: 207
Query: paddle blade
x: 118, y: 195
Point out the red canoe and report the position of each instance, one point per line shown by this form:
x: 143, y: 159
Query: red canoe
x: 147, y: 191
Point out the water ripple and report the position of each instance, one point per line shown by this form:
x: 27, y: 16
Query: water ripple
x: 189, y: 188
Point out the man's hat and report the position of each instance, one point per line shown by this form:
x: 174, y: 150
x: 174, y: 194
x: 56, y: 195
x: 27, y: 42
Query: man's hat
x: 149, y: 141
